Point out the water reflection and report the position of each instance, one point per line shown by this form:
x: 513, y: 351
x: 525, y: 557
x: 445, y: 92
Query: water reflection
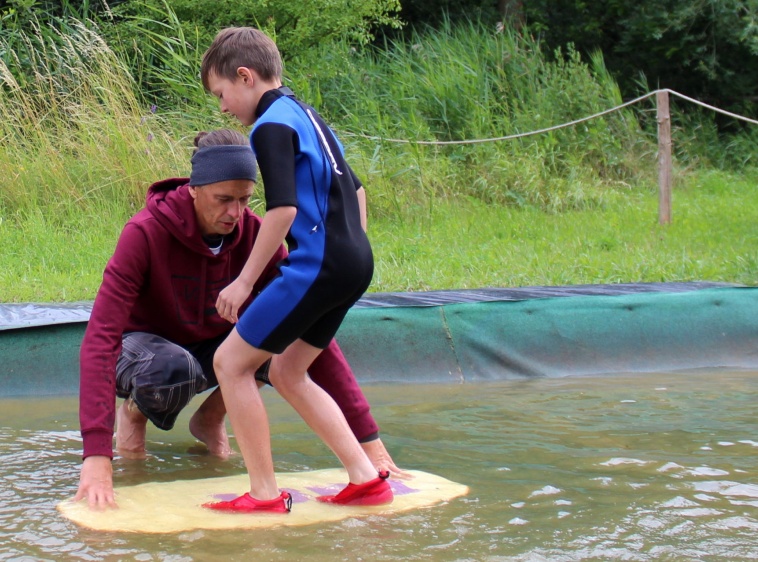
x: 643, y: 467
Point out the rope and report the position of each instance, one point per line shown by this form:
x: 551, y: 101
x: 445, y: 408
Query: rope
x: 554, y: 128
x: 743, y: 118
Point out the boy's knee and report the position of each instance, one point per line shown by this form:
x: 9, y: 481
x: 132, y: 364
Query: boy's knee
x: 226, y: 364
x: 274, y: 379
x: 221, y: 367
x: 285, y: 381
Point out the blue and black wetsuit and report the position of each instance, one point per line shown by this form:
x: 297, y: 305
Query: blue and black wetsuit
x: 330, y: 263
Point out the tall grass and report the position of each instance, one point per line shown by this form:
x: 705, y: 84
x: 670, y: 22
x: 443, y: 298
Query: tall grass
x: 75, y: 137
x: 468, y: 82
x: 162, y: 56
x: 76, y: 130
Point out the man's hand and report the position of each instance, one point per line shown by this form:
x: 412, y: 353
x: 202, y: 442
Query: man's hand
x: 231, y: 299
x: 96, y: 483
x: 382, y: 460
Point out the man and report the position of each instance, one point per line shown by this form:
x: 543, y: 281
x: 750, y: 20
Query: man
x: 154, y: 327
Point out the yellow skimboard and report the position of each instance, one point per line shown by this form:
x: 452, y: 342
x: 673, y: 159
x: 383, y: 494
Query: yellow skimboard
x: 172, y: 507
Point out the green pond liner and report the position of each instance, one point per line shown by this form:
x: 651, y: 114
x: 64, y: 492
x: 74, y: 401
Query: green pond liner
x: 464, y: 336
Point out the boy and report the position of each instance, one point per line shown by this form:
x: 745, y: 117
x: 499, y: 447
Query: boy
x: 314, y: 200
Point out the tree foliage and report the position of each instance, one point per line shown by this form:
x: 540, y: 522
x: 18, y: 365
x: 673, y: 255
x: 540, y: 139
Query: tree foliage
x: 703, y: 48
x: 296, y: 26
x: 433, y: 13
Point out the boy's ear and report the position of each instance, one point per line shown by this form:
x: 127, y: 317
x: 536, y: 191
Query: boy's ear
x: 246, y: 74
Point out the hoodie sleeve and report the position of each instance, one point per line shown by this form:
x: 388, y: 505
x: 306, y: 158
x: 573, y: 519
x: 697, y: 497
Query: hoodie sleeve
x: 123, y: 279
x: 331, y: 371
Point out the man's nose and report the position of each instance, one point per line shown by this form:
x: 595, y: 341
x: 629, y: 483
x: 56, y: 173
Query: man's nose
x: 234, y: 209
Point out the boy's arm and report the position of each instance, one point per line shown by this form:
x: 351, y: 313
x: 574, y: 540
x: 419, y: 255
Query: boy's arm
x: 361, y: 193
x: 275, y: 146
x: 276, y: 223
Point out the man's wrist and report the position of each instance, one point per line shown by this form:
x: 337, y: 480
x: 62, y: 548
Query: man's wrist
x: 370, y: 437
x: 97, y: 442
x: 97, y: 459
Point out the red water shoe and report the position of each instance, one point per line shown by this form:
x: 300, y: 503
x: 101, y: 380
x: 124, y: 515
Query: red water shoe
x: 248, y: 504
x: 374, y: 492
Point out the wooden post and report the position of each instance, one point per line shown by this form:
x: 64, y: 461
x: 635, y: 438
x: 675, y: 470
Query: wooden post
x: 664, y: 157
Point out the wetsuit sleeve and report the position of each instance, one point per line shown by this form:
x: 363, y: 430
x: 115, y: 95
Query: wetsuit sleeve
x: 331, y: 371
x: 122, y: 281
x: 275, y: 146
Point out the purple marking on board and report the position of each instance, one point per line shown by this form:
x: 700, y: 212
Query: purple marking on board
x: 400, y: 489
x: 326, y: 490
x: 225, y: 497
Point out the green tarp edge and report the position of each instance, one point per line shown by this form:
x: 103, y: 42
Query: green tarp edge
x: 555, y: 337
x: 480, y: 341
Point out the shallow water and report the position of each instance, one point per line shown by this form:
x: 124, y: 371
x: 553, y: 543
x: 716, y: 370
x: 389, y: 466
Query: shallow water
x: 641, y: 467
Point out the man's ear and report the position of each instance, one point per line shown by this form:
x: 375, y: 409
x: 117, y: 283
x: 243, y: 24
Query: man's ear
x: 193, y: 192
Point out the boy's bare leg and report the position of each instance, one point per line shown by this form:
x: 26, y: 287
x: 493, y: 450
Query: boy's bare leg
x: 208, y: 425
x: 318, y: 409
x: 235, y: 363
x: 131, y: 429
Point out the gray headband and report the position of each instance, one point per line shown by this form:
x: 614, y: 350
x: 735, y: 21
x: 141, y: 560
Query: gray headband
x: 212, y: 164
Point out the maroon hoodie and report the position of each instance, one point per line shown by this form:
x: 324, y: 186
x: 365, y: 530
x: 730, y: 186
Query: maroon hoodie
x: 163, y: 279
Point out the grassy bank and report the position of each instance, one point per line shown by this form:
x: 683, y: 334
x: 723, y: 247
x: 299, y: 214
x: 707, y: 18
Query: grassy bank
x: 467, y: 244
x: 463, y: 243
x: 80, y: 145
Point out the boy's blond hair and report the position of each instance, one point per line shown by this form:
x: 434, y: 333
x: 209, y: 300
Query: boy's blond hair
x: 234, y: 47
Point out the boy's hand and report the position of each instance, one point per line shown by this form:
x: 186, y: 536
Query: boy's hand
x: 96, y: 483
x: 231, y: 299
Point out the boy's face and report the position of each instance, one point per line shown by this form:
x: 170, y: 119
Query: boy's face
x: 236, y: 97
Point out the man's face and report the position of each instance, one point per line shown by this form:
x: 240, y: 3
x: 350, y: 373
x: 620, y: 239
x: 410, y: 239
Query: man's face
x: 219, y: 206
x: 236, y: 97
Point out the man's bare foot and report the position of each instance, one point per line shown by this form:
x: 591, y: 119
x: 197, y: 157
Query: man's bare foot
x: 212, y: 433
x: 208, y: 425
x: 131, y: 429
